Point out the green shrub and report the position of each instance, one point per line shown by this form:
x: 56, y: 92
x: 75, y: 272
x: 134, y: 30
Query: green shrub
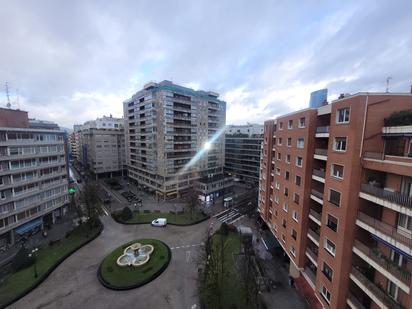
x: 109, y: 269
x: 147, y: 269
x: 146, y: 211
x: 126, y: 214
x: 402, y: 118
x: 22, y: 259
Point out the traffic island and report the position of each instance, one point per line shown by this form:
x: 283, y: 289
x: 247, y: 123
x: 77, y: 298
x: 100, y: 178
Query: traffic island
x: 134, y: 264
x: 18, y: 283
x: 179, y: 218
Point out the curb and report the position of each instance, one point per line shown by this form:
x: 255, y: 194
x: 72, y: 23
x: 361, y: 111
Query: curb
x: 50, y: 270
x: 148, y: 222
x: 133, y: 286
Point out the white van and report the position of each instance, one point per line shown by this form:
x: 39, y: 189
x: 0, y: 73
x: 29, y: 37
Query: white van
x: 159, y: 222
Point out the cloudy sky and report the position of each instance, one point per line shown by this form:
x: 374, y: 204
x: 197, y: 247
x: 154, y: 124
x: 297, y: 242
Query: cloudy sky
x: 71, y: 61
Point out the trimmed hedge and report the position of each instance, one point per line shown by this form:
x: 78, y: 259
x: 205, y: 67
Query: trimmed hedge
x: 51, y: 269
x: 144, y: 268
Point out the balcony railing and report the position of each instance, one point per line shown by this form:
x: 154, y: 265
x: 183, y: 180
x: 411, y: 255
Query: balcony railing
x: 315, y: 214
x: 312, y: 253
x: 324, y: 129
x: 379, y: 293
x: 314, y: 235
x: 393, y: 197
x: 384, y: 262
x: 319, y: 173
x: 385, y: 229
x: 355, y: 301
x: 317, y: 194
x: 321, y: 152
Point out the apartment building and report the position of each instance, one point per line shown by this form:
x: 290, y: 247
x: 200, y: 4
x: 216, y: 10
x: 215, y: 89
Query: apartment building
x: 336, y: 191
x: 175, y: 139
x: 242, y: 151
x: 101, y: 146
x: 33, y: 175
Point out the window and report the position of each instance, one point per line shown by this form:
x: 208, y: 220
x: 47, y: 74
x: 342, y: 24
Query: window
x: 277, y: 185
x: 296, y: 198
x: 287, y: 175
x: 287, y: 159
x: 299, y: 161
x: 334, y: 197
x: 285, y: 206
x: 339, y: 144
x: 284, y: 223
x: 280, y: 125
x: 283, y: 238
x: 2, y: 195
x: 294, y: 234
x: 295, y: 215
x: 327, y: 271
x: 342, y: 115
x: 286, y: 191
x: 393, y: 290
x: 280, y: 141
x: 300, y: 143
x: 290, y: 124
x: 276, y: 199
x: 337, y: 171
x: 293, y: 251
x: 330, y: 247
x: 332, y: 223
x: 277, y: 171
x: 289, y: 142
x: 298, y: 180
x: 325, y: 293
x: 279, y: 156
x: 302, y: 122
x: 404, y: 223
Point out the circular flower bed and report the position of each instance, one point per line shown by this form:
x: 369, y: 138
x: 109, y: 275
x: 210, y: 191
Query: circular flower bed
x: 124, y: 277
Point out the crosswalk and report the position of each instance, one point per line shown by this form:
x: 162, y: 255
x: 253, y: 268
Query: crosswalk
x: 229, y: 216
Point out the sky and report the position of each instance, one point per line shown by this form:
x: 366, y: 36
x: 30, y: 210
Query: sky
x: 73, y: 61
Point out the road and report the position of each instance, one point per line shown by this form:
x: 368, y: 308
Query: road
x: 74, y: 283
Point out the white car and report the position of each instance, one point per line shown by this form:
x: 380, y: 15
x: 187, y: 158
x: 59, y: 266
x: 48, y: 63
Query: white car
x: 159, y: 222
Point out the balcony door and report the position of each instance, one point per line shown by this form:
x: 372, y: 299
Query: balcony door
x: 406, y: 187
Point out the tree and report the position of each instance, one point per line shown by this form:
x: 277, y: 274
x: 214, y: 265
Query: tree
x: 91, y: 201
x: 22, y: 259
x: 193, y: 202
x: 248, y: 276
x: 126, y: 213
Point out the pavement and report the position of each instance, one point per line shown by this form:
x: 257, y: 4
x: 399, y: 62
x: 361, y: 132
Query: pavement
x: 74, y: 283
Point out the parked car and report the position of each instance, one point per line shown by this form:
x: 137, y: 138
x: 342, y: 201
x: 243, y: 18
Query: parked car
x: 159, y: 222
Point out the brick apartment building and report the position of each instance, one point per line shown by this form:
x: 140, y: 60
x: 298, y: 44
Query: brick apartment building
x: 336, y: 191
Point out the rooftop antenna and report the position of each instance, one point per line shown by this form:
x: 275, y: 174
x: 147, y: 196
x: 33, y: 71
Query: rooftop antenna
x: 387, y: 83
x: 8, y: 95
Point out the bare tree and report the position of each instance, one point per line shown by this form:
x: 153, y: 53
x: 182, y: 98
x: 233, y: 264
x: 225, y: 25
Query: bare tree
x: 193, y: 202
x: 91, y: 201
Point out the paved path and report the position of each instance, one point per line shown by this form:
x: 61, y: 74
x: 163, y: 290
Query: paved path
x: 74, y: 283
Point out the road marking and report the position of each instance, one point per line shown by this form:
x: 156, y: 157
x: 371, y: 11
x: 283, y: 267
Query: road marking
x: 177, y: 247
x: 186, y: 246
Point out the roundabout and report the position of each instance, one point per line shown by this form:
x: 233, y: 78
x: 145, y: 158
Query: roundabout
x: 134, y: 264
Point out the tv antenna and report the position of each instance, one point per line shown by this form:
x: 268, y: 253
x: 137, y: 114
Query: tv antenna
x: 8, y: 95
x: 387, y: 83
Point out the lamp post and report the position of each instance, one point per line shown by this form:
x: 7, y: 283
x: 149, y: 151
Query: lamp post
x: 33, y: 254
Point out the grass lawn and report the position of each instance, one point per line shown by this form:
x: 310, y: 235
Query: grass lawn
x: 129, y: 276
x: 47, y: 257
x: 179, y: 218
x: 233, y: 293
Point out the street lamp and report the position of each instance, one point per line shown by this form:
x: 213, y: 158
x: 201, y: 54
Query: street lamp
x: 33, y: 254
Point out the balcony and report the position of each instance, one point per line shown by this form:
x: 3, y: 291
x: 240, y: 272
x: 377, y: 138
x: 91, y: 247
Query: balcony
x: 385, y: 232
x: 321, y: 154
x: 310, y: 277
x: 380, y: 297
x: 315, y: 216
x: 322, y: 132
x: 316, y: 196
x: 318, y: 175
x: 393, y: 200
x: 353, y: 302
x: 401, y: 277
x: 314, y: 236
x: 312, y: 255
x: 401, y: 165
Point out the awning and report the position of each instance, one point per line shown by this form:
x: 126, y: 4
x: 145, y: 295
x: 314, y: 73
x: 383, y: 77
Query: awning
x: 29, y: 226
